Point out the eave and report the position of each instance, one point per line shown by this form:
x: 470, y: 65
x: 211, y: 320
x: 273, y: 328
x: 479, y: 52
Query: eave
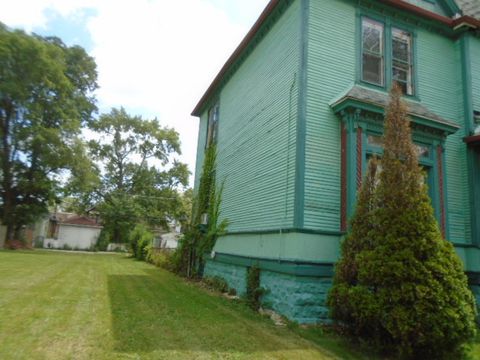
x: 418, y: 113
x: 473, y: 141
x: 236, y: 54
x: 462, y: 22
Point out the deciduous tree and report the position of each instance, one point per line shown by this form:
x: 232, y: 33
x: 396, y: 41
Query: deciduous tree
x: 46, y: 94
x: 138, y: 177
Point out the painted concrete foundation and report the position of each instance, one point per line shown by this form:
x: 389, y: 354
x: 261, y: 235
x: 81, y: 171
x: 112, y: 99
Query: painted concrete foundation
x: 235, y: 276
x: 302, y: 299
x: 299, y: 298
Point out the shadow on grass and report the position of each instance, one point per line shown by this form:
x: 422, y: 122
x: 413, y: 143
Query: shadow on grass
x: 158, y: 311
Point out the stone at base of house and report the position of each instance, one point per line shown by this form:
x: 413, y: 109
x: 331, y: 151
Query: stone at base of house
x: 235, y: 276
x: 298, y: 298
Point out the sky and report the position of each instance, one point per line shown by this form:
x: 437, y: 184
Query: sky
x: 155, y: 58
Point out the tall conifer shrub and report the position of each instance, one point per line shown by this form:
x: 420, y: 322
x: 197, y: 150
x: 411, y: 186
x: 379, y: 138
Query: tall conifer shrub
x: 399, y: 285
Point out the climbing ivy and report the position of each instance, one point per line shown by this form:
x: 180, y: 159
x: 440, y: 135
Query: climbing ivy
x: 199, y: 238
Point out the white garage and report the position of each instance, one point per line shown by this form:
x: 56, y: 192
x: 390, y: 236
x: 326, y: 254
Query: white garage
x: 78, y: 232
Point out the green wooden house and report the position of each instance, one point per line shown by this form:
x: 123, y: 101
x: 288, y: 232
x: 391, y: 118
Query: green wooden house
x: 297, y: 111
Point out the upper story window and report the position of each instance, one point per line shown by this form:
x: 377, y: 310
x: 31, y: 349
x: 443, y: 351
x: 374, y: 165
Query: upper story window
x: 212, y: 126
x: 375, y: 60
x: 372, y: 52
x: 402, y: 59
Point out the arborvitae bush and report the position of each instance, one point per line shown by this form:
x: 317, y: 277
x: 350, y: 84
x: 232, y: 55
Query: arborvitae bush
x: 399, y: 285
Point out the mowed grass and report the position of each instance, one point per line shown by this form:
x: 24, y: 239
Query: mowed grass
x: 56, y: 305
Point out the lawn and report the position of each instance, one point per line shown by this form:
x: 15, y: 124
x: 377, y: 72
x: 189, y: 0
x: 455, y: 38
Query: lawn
x: 57, y: 305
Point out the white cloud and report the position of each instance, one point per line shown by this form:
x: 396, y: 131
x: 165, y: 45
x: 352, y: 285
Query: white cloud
x: 154, y: 57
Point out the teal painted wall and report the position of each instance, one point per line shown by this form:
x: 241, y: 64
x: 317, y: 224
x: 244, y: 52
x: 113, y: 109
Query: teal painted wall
x: 256, y: 137
x: 432, y: 6
x: 302, y: 299
x: 287, y: 246
x: 440, y: 89
x: 332, y: 41
x: 475, y: 59
x: 331, y: 71
x: 258, y: 128
x: 235, y: 276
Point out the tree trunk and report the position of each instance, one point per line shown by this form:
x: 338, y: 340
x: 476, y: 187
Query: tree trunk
x: 7, y: 191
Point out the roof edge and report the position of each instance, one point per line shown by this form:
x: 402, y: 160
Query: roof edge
x: 399, y: 4
x: 238, y: 51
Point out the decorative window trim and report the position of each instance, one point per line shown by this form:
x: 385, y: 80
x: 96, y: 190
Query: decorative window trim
x: 361, y: 118
x: 389, y: 25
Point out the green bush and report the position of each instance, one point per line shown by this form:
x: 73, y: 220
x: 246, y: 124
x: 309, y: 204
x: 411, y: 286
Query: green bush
x: 103, y: 240
x: 216, y: 283
x: 140, y: 239
x: 159, y: 258
x: 254, y: 291
x: 400, y: 286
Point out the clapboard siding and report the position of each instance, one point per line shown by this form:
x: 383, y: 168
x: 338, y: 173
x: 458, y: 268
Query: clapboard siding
x: 440, y: 89
x: 256, y: 139
x: 331, y: 71
x: 475, y: 58
x: 433, y: 7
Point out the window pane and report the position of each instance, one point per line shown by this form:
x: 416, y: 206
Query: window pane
x: 372, y: 37
x: 402, y: 59
x: 372, y: 50
x: 423, y: 151
x: 212, y: 125
x: 373, y: 69
x: 401, y: 46
x: 400, y: 74
x: 375, y: 140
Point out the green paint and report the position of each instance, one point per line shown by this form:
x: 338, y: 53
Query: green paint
x: 287, y: 230
x: 289, y: 246
x: 469, y: 124
x: 275, y: 110
x: 233, y: 274
x: 297, y: 268
x: 301, y: 121
x: 259, y: 107
x: 300, y: 299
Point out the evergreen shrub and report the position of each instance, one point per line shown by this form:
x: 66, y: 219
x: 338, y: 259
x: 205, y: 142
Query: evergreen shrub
x: 140, y: 239
x: 399, y: 285
x: 216, y: 283
x: 254, y: 291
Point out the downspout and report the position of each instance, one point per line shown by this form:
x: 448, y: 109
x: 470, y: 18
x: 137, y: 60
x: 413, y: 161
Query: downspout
x: 289, y: 140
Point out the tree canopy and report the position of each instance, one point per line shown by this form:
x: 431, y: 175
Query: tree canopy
x: 46, y: 95
x: 137, y: 176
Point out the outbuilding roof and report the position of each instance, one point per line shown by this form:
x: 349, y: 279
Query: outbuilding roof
x: 80, y: 221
